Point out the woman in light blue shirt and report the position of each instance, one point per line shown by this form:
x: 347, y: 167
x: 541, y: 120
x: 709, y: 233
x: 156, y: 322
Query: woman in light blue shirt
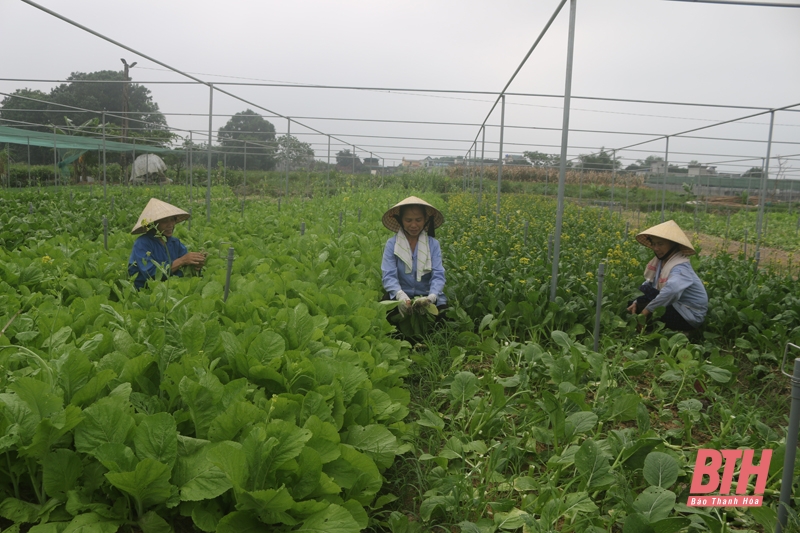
x: 670, y: 280
x: 412, y: 259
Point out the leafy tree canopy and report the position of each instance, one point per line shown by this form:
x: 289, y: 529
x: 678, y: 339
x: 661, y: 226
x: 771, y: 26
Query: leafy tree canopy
x: 258, y: 133
x: 346, y: 159
x: 294, y: 152
x: 540, y: 159
x: 145, y: 121
x: 599, y: 161
x: 753, y: 172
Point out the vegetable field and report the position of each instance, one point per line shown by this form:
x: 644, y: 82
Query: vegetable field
x: 294, y: 405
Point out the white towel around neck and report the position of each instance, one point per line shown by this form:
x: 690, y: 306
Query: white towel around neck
x: 402, y: 249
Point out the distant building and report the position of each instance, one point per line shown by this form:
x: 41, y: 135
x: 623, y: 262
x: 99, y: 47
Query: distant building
x: 657, y: 167
x: 510, y: 159
x: 702, y: 170
x: 372, y: 162
x: 417, y: 163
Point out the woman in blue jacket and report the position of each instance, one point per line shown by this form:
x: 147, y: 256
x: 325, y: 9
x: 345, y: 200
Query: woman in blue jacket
x: 157, y: 246
x: 412, y: 259
x: 670, y: 281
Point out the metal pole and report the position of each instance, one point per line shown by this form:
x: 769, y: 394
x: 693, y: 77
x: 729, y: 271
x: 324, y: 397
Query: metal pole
x: 191, y: 178
x: 745, y: 243
x: 210, y: 127
x: 228, y: 274
x: 354, y: 159
x: 105, y: 232
x: 287, y: 151
x: 105, y: 183
x: 134, y: 163
x: 244, y: 187
x: 328, y: 179
x: 562, y: 172
x: 500, y: 155
x: 189, y: 222
x: 764, y: 177
x: 791, y: 442
x: 600, y: 275
x: 8, y: 165
x: 302, y: 228
x: 664, y: 181
x: 613, y: 179
x: 29, y: 161
x: 55, y: 157
x: 483, y: 145
x: 359, y: 215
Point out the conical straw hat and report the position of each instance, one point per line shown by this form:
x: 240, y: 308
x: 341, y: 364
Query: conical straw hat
x: 391, y: 223
x: 670, y: 231
x: 156, y: 210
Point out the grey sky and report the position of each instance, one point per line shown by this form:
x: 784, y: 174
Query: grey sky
x: 640, y: 49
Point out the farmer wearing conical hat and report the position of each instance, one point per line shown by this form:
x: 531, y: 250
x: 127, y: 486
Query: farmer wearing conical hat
x: 412, y: 258
x: 157, y: 246
x: 670, y: 280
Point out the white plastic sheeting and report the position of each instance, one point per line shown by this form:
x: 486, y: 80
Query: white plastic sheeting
x: 148, y: 167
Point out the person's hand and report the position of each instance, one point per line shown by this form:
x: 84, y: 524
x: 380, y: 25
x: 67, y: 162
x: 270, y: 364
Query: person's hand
x: 432, y: 298
x: 632, y: 308
x: 420, y: 304
x: 194, y: 259
x: 405, y: 302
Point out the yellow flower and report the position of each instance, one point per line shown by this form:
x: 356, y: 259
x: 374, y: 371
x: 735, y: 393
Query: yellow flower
x: 523, y: 281
x: 47, y: 260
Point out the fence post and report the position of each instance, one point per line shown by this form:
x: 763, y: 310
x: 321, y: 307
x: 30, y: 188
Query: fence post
x: 228, y: 274
x: 600, y: 275
x: 189, y: 224
x: 727, y: 226
x: 279, y: 204
x: 758, y: 258
x: 791, y: 440
x: 302, y: 228
x: 105, y: 232
x: 30, y: 209
x: 745, y: 243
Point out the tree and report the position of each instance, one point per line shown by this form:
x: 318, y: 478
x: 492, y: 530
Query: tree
x: 22, y: 109
x: 347, y: 160
x: 259, y: 134
x: 25, y: 107
x: 294, y: 152
x: 146, y: 122
x: 753, y: 172
x: 601, y: 161
x: 540, y: 159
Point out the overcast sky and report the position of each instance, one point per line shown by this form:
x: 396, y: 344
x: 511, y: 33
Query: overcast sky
x: 628, y: 49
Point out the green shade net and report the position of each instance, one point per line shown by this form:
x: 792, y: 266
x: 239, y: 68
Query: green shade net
x: 72, y: 142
